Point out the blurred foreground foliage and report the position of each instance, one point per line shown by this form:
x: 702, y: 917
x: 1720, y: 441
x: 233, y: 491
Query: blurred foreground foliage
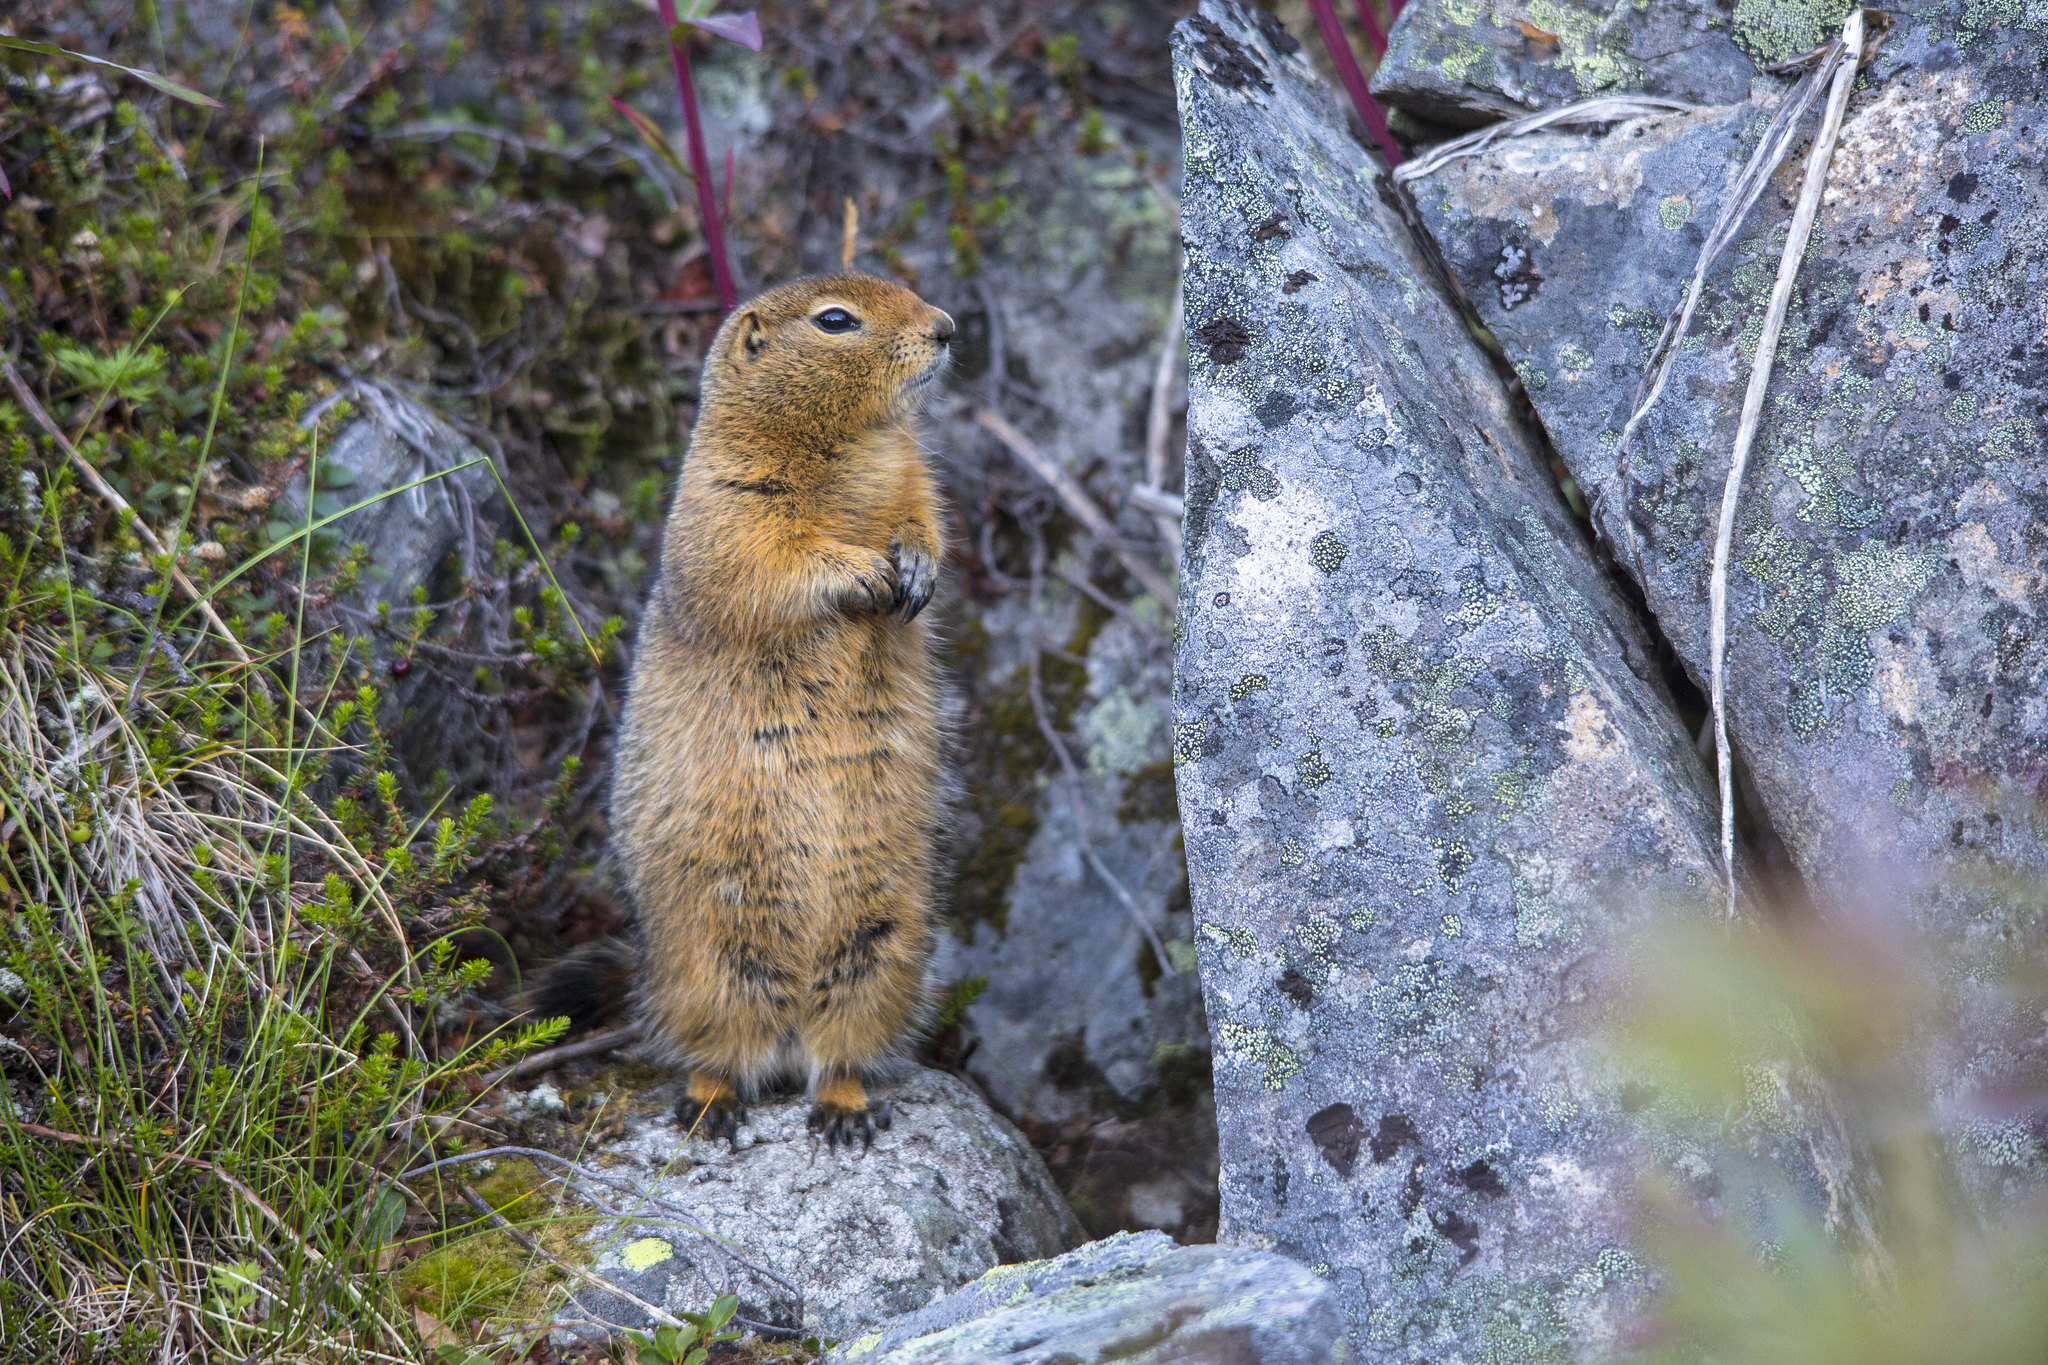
x: 1936, y: 1248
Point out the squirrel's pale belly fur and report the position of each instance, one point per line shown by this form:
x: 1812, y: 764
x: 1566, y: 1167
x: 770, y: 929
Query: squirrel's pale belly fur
x: 777, y: 778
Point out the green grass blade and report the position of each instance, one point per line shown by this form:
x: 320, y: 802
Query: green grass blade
x: 163, y: 83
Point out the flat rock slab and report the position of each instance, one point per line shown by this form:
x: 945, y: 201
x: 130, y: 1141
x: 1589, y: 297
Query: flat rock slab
x: 1886, y: 660
x: 1132, y: 1298
x: 1425, y: 785
x: 1467, y: 62
x: 949, y: 1191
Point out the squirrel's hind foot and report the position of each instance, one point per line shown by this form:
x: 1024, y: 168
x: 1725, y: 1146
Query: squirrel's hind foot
x: 711, y: 1108
x: 843, y: 1113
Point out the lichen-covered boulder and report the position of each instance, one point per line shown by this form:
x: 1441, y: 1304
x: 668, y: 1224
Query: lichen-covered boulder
x: 947, y: 1192
x: 1465, y: 62
x: 1886, y: 658
x: 1427, y: 777
x: 1136, y: 1298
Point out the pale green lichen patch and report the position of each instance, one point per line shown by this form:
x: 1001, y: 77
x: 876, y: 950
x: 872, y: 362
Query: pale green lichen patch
x: 1240, y: 941
x: 1256, y: 1043
x: 1822, y: 604
x: 1558, y: 1106
x: 1310, y: 769
x: 645, y: 1253
x: 1187, y: 741
x: 1982, y: 117
x: 1242, y: 474
x: 1674, y: 211
x: 1771, y: 31
x: 1245, y: 686
x: 1327, y: 552
x: 1469, y: 62
x: 1594, y: 50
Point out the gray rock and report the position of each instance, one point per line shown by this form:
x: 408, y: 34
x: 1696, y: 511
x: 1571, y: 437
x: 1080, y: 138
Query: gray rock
x: 436, y: 479
x: 1135, y: 1298
x: 947, y: 1192
x: 1427, y: 783
x: 1886, y: 661
x: 1466, y: 62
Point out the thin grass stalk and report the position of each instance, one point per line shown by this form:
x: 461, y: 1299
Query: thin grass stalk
x: 1369, y: 111
x: 1842, y: 58
x: 700, y: 162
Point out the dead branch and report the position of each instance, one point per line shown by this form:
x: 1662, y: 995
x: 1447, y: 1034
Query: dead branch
x: 594, y: 1046
x: 120, y: 504
x: 1840, y: 62
x: 1078, y: 504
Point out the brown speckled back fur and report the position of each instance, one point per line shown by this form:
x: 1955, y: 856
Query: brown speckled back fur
x: 777, y: 784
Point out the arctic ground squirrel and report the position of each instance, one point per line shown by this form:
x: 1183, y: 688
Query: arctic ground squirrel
x: 776, y: 787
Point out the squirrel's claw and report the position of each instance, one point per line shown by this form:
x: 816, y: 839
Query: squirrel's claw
x: 917, y: 577
x: 713, y: 1121
x: 839, y: 1127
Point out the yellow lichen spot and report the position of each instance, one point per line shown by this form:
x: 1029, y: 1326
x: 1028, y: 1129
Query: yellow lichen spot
x: 646, y: 1253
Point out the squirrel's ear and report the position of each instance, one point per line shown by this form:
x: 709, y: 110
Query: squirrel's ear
x: 750, y: 335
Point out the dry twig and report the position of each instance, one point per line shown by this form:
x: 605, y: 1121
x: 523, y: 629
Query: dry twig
x: 1078, y: 504
x: 1074, y: 785
x: 1840, y: 62
x: 120, y: 504
x: 498, y: 1220
x: 1151, y: 495
x: 1606, y: 109
x: 1770, y: 153
x: 593, y: 1046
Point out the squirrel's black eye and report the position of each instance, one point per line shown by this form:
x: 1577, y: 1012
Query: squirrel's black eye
x: 835, y: 320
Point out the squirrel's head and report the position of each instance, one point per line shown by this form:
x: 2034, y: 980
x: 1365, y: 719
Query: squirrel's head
x: 827, y: 355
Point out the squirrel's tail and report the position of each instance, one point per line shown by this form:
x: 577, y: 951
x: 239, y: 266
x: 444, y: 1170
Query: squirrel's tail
x: 592, y: 985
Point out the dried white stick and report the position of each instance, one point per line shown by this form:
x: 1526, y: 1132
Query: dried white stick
x: 1078, y: 504
x: 1158, y: 502
x: 1844, y: 62
x: 1606, y: 109
x: 1742, y: 195
x: 1158, y: 425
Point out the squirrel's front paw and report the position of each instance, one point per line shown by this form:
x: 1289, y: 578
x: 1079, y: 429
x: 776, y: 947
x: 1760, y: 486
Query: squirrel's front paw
x: 870, y: 584
x: 917, y: 576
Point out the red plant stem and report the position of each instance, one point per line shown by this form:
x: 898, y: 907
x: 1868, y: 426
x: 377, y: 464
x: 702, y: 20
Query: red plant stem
x: 700, y: 164
x: 1371, y: 25
x: 1354, y: 81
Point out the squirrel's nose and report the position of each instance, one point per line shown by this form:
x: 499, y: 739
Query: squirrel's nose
x: 942, y: 329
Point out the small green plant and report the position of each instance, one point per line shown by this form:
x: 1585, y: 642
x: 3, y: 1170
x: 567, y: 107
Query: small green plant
x: 691, y: 1343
